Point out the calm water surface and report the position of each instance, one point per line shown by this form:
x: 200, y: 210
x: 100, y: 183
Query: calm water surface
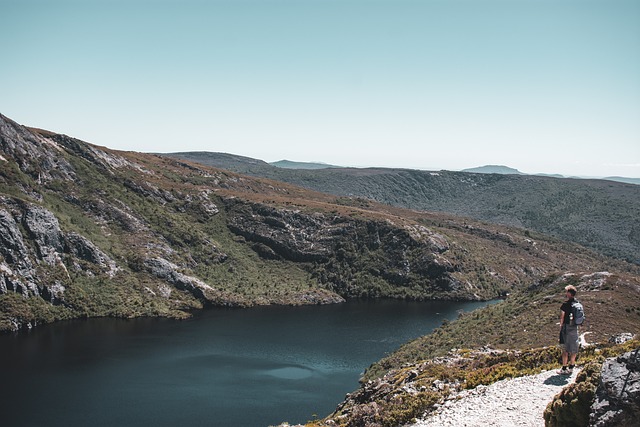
x: 253, y: 367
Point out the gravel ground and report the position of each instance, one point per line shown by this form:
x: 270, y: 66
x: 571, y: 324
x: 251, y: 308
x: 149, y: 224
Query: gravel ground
x: 507, y: 403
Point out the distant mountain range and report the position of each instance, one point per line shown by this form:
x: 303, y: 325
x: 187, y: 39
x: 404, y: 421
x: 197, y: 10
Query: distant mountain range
x: 505, y: 170
x: 635, y: 181
x: 600, y: 214
x: 497, y: 169
x: 242, y: 164
x: 288, y: 164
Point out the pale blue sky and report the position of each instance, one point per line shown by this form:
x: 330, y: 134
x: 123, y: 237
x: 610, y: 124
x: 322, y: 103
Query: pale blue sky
x: 549, y: 86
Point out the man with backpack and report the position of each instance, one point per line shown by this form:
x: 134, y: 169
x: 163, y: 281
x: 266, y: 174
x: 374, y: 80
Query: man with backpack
x: 572, y: 315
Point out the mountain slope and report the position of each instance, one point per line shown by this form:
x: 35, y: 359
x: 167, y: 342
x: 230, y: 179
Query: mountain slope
x: 635, y: 181
x: 599, y: 214
x: 89, y: 231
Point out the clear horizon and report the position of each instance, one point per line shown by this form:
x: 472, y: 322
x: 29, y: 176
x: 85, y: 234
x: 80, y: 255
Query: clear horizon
x: 540, y: 86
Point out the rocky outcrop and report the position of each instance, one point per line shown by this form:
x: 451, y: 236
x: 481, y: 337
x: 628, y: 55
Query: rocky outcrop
x: 149, y: 190
x: 92, y: 187
x: 347, y: 252
x: 16, y: 267
x: 168, y: 271
x: 572, y: 209
x: 83, y: 249
x: 44, y: 231
x: 617, y: 400
x: 12, y: 246
x: 621, y: 338
x: 109, y: 213
x: 290, y: 234
x: 102, y: 158
x: 603, y: 395
x: 35, y: 155
x: 571, y: 407
x: 42, y: 245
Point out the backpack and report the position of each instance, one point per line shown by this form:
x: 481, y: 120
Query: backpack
x: 577, y: 312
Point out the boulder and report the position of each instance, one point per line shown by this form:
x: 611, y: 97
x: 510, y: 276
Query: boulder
x: 621, y: 338
x: 617, y: 400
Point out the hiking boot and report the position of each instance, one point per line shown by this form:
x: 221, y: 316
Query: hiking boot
x: 564, y: 371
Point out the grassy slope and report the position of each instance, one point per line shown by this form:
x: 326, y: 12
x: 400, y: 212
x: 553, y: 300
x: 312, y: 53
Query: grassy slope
x: 529, y: 318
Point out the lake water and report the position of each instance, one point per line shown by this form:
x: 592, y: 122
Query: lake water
x: 250, y: 367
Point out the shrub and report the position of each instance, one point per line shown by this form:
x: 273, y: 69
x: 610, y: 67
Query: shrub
x: 571, y: 407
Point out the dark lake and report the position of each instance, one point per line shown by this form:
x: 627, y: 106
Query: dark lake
x: 244, y: 367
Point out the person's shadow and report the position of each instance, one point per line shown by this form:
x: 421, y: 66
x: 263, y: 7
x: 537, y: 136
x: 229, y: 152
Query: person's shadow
x: 558, y: 380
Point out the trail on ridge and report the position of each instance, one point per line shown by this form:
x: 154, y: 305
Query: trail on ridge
x: 507, y: 403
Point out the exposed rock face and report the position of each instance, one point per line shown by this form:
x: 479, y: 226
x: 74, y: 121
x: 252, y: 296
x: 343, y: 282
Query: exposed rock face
x: 38, y: 258
x: 81, y: 248
x: 168, y: 271
x: 344, y: 249
x: 45, y: 231
x: 149, y: 190
x: 46, y: 243
x: 12, y: 246
x: 16, y: 268
x: 100, y: 157
x: 618, y: 395
x: 35, y: 155
x: 290, y: 234
x: 105, y: 212
x: 574, y: 210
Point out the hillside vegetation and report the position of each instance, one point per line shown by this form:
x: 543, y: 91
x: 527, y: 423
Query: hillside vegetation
x: 599, y: 214
x: 89, y: 231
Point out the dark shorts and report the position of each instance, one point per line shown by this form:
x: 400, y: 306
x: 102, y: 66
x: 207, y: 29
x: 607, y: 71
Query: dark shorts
x: 570, y: 338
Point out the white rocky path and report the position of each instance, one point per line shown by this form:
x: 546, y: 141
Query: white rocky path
x: 508, y: 403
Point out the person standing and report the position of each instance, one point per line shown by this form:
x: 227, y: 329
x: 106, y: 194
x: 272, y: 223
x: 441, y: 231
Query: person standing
x: 569, y: 340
